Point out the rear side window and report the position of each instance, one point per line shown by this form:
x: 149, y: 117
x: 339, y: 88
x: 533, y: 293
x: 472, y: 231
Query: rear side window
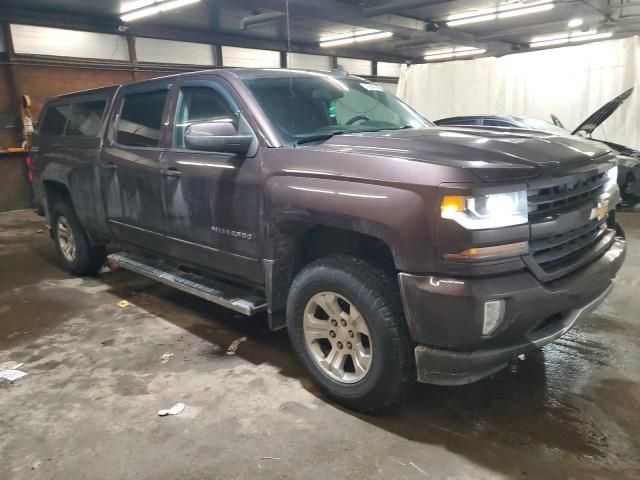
x: 86, y: 118
x: 141, y: 119
x: 55, y: 120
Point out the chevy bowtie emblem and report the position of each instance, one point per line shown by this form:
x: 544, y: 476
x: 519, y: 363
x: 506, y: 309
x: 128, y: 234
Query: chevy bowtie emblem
x: 599, y: 211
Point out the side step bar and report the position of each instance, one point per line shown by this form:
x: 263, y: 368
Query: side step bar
x: 216, y: 291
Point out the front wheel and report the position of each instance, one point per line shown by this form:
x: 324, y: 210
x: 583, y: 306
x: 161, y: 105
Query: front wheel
x: 346, y: 324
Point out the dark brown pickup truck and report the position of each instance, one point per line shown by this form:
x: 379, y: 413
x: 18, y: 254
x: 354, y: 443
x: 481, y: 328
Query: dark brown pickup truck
x: 392, y: 250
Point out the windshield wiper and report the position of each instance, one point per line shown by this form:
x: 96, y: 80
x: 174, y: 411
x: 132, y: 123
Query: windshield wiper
x: 319, y: 137
x: 403, y: 127
x: 327, y: 136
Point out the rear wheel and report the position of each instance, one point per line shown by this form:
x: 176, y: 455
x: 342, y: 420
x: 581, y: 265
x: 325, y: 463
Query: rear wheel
x: 72, y: 242
x: 346, y: 323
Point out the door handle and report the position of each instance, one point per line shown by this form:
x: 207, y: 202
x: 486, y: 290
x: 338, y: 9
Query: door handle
x: 171, y: 172
x: 109, y: 166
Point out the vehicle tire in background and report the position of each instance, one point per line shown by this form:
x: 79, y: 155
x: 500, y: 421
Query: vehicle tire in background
x: 72, y: 242
x: 629, y: 198
x: 346, y: 324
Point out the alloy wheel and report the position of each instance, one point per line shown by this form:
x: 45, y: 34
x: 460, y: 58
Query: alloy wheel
x: 66, y: 239
x: 337, y: 337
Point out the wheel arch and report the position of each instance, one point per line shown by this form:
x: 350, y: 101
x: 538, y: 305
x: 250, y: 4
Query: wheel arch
x: 296, y: 243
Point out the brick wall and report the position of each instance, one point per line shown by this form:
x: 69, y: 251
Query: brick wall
x: 41, y: 83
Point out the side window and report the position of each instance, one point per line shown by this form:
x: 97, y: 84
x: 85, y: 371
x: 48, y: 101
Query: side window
x: 86, y: 118
x: 199, y: 104
x: 55, y: 119
x: 141, y: 119
x: 497, y: 123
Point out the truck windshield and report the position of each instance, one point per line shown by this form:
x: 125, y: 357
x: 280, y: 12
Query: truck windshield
x: 313, y: 105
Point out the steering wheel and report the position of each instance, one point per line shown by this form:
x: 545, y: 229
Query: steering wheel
x: 357, y: 118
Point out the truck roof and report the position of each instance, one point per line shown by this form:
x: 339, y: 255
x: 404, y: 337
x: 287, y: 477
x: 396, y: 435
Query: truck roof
x: 110, y: 90
x: 242, y: 73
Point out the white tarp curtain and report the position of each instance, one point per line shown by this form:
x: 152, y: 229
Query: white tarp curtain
x: 571, y: 82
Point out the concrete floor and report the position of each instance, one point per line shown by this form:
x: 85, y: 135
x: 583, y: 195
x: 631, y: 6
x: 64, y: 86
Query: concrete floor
x: 88, y: 408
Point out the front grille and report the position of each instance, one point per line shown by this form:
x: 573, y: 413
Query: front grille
x: 558, y: 251
x: 564, y: 237
x: 566, y: 194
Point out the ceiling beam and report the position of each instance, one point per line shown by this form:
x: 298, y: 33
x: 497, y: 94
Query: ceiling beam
x: 403, y: 27
x: 395, y: 7
x: 261, y: 18
x: 112, y: 25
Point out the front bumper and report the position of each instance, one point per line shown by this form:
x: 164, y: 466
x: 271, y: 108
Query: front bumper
x: 445, y: 316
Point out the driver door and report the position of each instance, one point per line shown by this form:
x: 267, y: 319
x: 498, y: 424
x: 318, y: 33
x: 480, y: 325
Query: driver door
x: 212, y: 199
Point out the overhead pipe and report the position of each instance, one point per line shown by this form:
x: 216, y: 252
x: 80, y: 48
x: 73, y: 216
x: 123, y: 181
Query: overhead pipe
x: 261, y: 18
x: 394, y: 7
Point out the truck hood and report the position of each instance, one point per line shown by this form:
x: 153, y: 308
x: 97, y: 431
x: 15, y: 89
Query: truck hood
x: 492, y: 155
x: 594, y: 120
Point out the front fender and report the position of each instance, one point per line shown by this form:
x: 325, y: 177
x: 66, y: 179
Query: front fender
x: 397, y: 216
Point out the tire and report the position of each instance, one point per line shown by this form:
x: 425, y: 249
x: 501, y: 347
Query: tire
x: 629, y: 198
x: 82, y: 259
x: 341, y: 283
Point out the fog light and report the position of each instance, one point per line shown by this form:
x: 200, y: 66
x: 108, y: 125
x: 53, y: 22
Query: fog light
x: 493, y: 315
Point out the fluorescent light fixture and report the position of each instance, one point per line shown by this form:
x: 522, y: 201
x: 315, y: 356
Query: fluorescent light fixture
x: 374, y: 36
x: 548, y: 43
x: 456, y: 52
x: 582, y: 34
x: 562, y: 38
x: 525, y: 11
x: 595, y: 36
x: 575, y: 22
x: 506, y: 10
x: 154, y: 9
x: 353, y: 37
x: 342, y: 36
x: 465, y: 21
x: 471, y: 13
x: 554, y: 36
x: 466, y: 53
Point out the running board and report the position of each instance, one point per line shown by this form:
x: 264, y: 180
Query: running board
x: 216, y: 291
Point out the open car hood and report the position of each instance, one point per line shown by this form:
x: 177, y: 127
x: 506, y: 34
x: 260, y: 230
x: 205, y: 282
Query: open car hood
x: 594, y: 120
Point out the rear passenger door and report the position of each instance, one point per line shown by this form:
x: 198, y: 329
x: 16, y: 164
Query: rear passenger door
x: 212, y: 198
x: 68, y: 145
x: 130, y: 168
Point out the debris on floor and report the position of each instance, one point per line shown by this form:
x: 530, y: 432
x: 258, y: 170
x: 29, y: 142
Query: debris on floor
x: 166, y: 357
x: 175, y: 410
x: 234, y: 345
x: 36, y: 465
x: 11, y: 372
x: 269, y: 458
x: 10, y: 365
x: 419, y: 469
x: 109, y: 267
x: 123, y: 304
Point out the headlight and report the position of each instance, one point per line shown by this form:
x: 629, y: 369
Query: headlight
x: 486, y: 211
x: 612, y: 178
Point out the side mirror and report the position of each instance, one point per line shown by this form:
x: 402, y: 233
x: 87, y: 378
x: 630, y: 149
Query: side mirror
x: 221, y: 136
